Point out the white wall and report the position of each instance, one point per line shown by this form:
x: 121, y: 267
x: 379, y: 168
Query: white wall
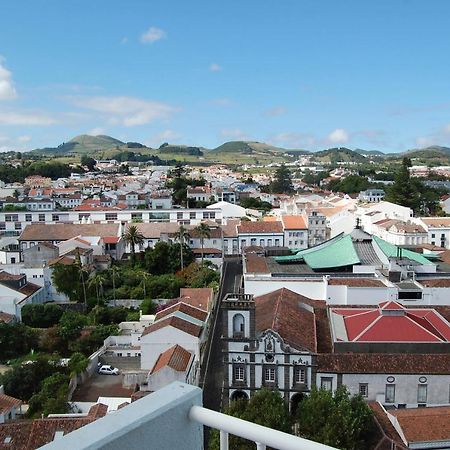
x: 158, y: 341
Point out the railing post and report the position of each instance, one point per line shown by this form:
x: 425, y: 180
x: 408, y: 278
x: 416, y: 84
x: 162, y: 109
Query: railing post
x: 223, y: 440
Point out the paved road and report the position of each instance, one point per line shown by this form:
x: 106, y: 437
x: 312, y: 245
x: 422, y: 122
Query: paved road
x: 213, y: 379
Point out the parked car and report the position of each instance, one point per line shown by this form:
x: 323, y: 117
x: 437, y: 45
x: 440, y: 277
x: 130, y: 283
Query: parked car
x: 108, y: 370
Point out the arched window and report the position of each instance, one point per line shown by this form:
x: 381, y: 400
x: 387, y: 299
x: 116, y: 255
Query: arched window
x: 238, y: 325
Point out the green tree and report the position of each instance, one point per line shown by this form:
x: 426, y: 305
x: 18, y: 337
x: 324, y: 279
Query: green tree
x: 70, y: 325
x: 255, y: 203
x: 349, y: 185
x: 164, y: 258
x: 97, y: 281
x: 134, y: 238
x: 88, y: 162
x: 335, y: 419
x: 182, y: 236
x: 41, y: 316
x: 204, y: 232
x: 282, y: 182
x: 266, y: 408
x: 52, y: 396
x: 22, y: 381
x: 404, y: 191
x: 68, y: 280
x: 16, y: 340
x: 78, y: 363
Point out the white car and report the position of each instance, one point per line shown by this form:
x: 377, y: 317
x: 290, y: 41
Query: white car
x: 108, y: 370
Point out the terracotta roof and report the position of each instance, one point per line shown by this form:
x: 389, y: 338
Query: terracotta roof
x: 153, y: 230
x: 139, y: 394
x: 176, y: 322
x: 230, y: 228
x: 388, y: 429
x: 197, y: 297
x: 260, y: 227
x: 16, y: 433
x: 207, y: 250
x: 285, y: 312
x: 436, y: 282
x: 384, y: 363
x: 175, y: 357
x: 256, y: 264
x: 424, y: 424
x: 356, y: 282
x: 294, y: 223
x: 29, y: 289
x: 7, y: 403
x: 43, y: 430
x: 6, y: 276
x: 65, y: 231
x: 98, y: 410
x: 6, y: 318
x: 436, y: 222
x: 111, y: 239
x: 192, y: 311
x: 65, y: 260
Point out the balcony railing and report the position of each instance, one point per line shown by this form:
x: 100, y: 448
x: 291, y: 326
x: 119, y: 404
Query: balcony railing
x: 173, y: 418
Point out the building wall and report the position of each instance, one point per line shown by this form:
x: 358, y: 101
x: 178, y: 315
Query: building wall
x: 155, y: 343
x: 261, y: 239
x: 406, y: 387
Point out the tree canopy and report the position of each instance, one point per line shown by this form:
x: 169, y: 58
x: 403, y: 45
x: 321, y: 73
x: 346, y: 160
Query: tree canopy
x: 282, y: 182
x: 335, y: 419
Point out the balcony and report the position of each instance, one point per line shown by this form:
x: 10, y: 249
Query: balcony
x: 171, y: 418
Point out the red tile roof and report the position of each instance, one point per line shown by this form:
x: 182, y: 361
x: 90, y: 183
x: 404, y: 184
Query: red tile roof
x: 256, y: 264
x: 436, y: 282
x: 176, y: 322
x: 199, y: 297
x: 408, y: 325
x: 192, y: 311
x: 385, y: 363
x: 424, y: 424
x: 7, y: 403
x: 260, y: 227
x: 356, y: 282
x: 175, y: 357
x: 294, y: 223
x: 286, y: 313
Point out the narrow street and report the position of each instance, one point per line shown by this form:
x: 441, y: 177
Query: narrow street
x: 213, y: 378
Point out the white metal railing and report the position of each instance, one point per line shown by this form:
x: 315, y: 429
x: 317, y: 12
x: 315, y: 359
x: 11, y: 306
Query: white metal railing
x: 260, y: 435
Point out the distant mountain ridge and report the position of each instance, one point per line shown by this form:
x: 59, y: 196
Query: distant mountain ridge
x: 87, y: 144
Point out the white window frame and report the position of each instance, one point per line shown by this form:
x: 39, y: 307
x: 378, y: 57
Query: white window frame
x: 364, y: 389
x: 269, y: 374
x: 300, y: 375
x: 422, y: 393
x: 239, y: 373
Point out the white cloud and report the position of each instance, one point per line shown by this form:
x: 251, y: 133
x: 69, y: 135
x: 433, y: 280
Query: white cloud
x: 124, y: 40
x: 24, y: 139
x: 276, y: 111
x: 235, y: 134
x: 126, y: 111
x: 169, y: 136
x: 294, y: 140
x: 447, y: 129
x: 7, y: 89
x: 215, y: 67
x: 153, y: 34
x: 26, y: 118
x: 96, y: 131
x: 222, y: 101
x: 338, y: 136
x: 425, y: 141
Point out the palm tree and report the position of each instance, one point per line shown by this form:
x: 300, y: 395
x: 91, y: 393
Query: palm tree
x: 115, y: 273
x: 97, y: 281
x: 133, y: 237
x: 145, y: 276
x: 204, y: 231
x: 182, y: 235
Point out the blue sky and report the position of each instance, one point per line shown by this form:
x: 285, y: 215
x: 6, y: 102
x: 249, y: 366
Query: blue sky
x: 294, y: 73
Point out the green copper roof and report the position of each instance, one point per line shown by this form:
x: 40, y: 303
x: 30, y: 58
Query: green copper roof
x: 336, y: 252
x: 340, y: 253
x: 391, y: 251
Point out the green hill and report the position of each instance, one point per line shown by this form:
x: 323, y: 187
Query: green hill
x: 342, y: 154
x: 248, y: 148
x: 84, y: 144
